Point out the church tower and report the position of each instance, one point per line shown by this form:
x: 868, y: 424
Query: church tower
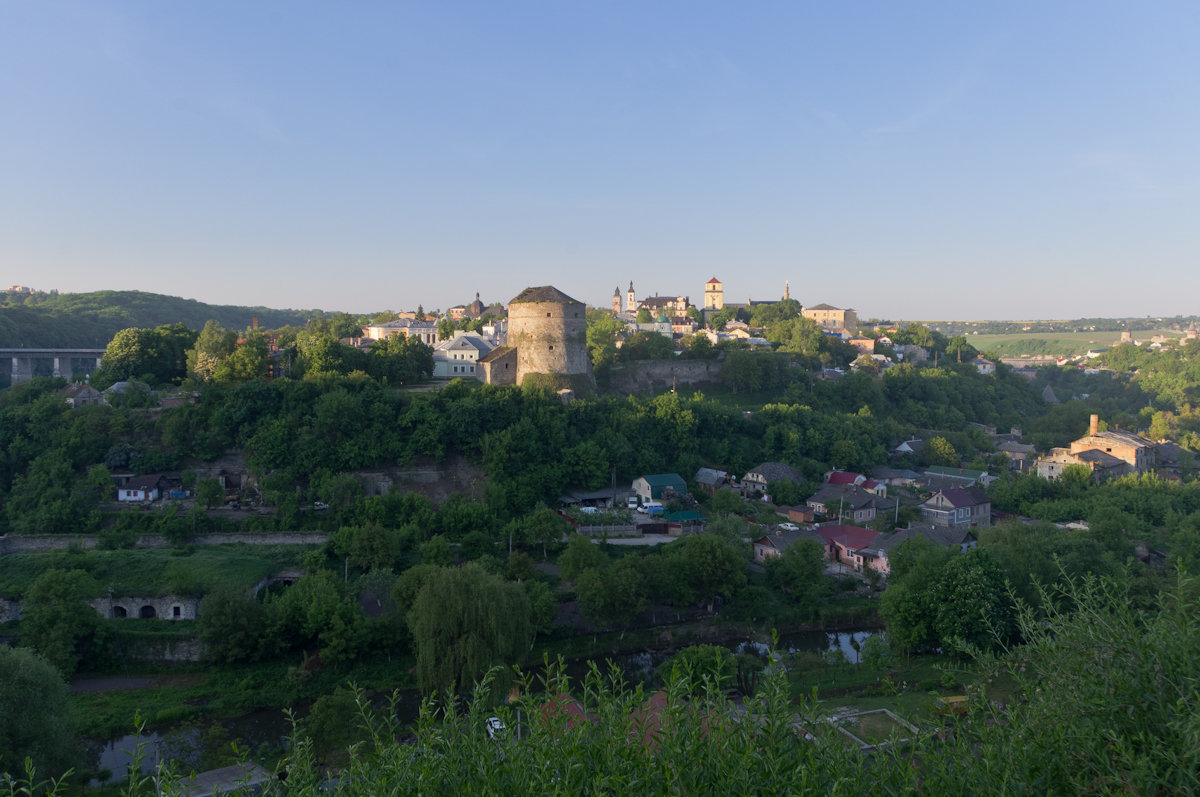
x: 631, y: 303
x: 616, y: 302
x: 787, y: 290
x: 714, y: 294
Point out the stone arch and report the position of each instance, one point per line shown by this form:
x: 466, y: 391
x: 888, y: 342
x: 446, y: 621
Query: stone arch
x: 119, y: 613
x: 147, y: 612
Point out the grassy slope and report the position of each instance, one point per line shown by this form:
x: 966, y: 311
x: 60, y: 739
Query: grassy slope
x: 155, y: 572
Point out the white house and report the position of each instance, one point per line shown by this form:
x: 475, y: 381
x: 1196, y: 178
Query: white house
x: 459, y: 356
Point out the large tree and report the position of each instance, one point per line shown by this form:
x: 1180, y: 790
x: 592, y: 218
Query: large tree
x: 58, y: 622
x: 35, y: 716
x: 465, y: 621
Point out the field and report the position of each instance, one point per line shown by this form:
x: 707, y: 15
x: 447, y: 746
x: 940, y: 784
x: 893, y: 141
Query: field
x: 1054, y: 344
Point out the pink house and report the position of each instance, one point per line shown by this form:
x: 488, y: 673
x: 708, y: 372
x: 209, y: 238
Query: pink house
x: 842, y: 543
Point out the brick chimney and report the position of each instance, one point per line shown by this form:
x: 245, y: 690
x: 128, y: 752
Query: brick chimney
x: 1094, y: 429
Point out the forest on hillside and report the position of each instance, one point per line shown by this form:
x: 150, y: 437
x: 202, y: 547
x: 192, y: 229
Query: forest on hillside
x: 90, y: 320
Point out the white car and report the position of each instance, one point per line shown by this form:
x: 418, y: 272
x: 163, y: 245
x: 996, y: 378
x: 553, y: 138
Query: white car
x: 495, y: 728
x: 788, y: 527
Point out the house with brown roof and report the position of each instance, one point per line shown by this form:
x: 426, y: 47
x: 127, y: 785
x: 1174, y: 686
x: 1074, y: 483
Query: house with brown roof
x: 877, y: 555
x: 842, y: 543
x: 770, y: 545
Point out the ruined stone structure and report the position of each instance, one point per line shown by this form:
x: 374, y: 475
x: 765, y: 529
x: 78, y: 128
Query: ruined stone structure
x: 548, y: 331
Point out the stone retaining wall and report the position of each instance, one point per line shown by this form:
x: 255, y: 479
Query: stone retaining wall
x: 651, y: 375
x: 14, y: 543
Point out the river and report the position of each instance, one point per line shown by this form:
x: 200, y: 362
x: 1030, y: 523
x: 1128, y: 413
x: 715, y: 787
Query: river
x: 263, y: 734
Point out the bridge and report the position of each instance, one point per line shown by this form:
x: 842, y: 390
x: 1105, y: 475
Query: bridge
x: 28, y: 363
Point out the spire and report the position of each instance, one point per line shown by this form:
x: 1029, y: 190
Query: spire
x: 786, y: 290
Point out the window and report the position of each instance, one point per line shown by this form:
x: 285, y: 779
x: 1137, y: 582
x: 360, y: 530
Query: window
x: 176, y: 611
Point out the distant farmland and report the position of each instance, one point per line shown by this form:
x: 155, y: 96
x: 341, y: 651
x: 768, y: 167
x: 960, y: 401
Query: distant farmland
x: 1055, y: 344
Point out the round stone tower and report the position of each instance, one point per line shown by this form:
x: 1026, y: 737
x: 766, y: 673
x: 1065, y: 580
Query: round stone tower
x: 549, y: 331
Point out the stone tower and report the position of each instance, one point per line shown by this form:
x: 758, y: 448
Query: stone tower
x: 616, y: 303
x: 631, y: 303
x: 787, y: 290
x: 714, y: 295
x: 549, y: 331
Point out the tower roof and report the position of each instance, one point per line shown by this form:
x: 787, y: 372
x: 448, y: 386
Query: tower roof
x: 545, y: 293
x: 711, y: 281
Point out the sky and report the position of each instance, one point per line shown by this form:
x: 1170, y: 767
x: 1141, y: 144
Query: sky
x: 915, y: 160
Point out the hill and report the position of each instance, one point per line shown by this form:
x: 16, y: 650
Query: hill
x: 89, y: 320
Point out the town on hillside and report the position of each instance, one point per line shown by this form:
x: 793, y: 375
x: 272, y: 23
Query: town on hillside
x: 415, y: 500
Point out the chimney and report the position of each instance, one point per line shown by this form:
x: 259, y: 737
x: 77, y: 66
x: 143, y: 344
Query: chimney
x: 1095, y: 427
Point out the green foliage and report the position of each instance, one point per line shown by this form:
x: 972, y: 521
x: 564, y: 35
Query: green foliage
x: 465, y: 621
x: 74, y: 320
x: 233, y: 627
x: 36, y: 720
x: 57, y: 621
x: 705, y: 669
x: 209, y: 492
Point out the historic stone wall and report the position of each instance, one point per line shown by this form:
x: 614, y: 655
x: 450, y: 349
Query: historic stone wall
x: 651, y: 375
x: 13, y: 543
x: 165, y: 607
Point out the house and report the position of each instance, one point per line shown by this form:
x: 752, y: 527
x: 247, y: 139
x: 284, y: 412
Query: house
x: 81, y: 394
x: 849, y: 503
x: 654, y: 486
x: 459, y: 356
x: 845, y: 478
x: 423, y: 330
x: 939, y: 475
x: 796, y: 514
x: 710, y: 480
x: 775, y: 544
x: 958, y: 507
x: 142, y: 488
x: 877, y: 555
x: 830, y: 318
x: 758, y: 478
x: 983, y: 365
x: 842, y: 543
x: 1133, y: 449
x: 1106, y: 454
x: 1102, y: 465
x: 895, y: 477
x: 1019, y: 454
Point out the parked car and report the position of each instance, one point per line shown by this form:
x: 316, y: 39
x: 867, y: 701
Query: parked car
x: 320, y: 506
x: 589, y: 510
x: 788, y: 527
x: 632, y: 503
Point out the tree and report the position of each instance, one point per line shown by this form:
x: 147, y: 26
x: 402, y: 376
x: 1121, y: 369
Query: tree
x: 708, y: 669
x: 209, y: 492
x: 797, y: 572
x: 714, y: 567
x: 36, y: 721
x: 643, y: 316
x: 939, y: 451
x: 581, y: 555
x: 58, y: 622
x: 232, y: 627
x: 465, y: 621
x: 213, y: 345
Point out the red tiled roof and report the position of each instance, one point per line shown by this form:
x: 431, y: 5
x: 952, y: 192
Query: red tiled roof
x: 840, y: 477
x: 849, y: 536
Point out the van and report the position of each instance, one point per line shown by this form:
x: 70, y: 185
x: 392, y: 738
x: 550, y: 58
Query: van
x: 652, y: 508
x: 632, y: 502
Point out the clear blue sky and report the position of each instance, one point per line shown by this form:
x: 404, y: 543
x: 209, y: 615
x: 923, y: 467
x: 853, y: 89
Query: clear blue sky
x: 910, y: 160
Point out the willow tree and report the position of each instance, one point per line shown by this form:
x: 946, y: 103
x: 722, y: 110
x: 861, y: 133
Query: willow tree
x: 465, y: 621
